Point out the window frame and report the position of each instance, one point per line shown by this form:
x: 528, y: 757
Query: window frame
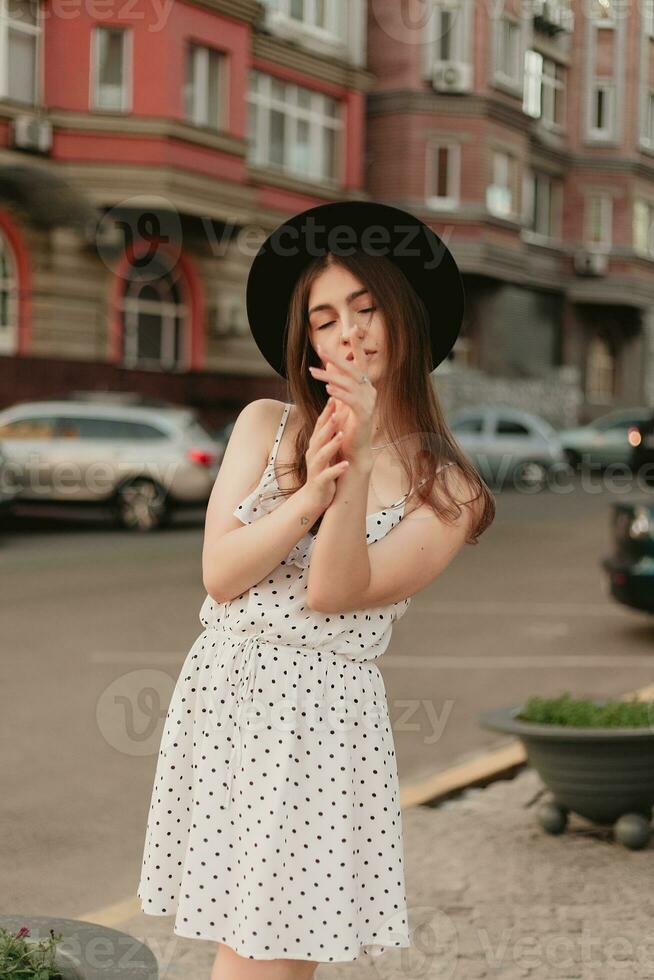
x: 7, y: 25
x: 9, y: 339
x: 512, y: 175
x: 606, y: 219
x: 648, y: 250
x: 200, y: 55
x: 126, y: 86
x: 499, y: 75
x: 533, y: 179
x: 280, y: 11
x: 452, y: 199
x: 608, y: 85
x: 262, y: 103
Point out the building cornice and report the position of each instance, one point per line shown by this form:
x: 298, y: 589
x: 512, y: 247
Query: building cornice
x: 289, y: 182
x: 292, y: 55
x: 146, y: 127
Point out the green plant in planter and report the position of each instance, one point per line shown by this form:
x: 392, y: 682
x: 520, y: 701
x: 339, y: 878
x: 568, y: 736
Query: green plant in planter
x: 23, y: 959
x: 596, y: 756
x: 585, y: 713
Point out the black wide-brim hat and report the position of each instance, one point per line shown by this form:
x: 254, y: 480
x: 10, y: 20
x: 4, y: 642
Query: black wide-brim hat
x: 342, y: 228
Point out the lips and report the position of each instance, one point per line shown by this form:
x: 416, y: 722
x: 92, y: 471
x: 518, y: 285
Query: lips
x: 368, y: 353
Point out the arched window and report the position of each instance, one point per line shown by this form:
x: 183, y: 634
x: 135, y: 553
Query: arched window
x: 154, y: 321
x: 600, y: 370
x: 8, y: 298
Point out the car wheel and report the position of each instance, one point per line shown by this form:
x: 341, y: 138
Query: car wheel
x: 141, y: 505
x: 574, y: 459
x: 530, y: 473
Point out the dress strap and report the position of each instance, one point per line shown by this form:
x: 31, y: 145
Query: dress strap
x: 278, y: 436
x: 406, y: 496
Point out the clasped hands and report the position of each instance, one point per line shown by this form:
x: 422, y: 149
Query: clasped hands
x: 354, y: 401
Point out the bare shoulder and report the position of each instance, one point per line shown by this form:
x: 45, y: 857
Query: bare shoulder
x: 463, y: 492
x: 243, y: 462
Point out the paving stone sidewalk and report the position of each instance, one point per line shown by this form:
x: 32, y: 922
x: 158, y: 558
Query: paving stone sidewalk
x: 491, y: 895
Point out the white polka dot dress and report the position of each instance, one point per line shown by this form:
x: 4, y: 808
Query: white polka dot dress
x: 275, y: 823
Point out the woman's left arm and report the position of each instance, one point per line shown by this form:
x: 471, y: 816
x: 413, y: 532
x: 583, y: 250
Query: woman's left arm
x: 340, y: 568
x: 339, y: 571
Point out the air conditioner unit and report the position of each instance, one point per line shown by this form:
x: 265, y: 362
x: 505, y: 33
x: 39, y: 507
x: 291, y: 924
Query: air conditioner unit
x: 553, y: 16
x: 452, y: 76
x: 589, y: 263
x: 32, y: 133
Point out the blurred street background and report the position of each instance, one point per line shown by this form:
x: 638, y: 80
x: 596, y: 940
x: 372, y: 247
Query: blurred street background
x: 146, y: 152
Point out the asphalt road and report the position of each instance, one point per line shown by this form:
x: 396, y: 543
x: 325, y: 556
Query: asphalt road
x: 96, y: 624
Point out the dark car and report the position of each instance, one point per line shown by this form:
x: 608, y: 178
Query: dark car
x: 642, y: 456
x: 631, y: 566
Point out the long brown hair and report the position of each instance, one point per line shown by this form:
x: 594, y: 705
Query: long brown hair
x: 408, y: 370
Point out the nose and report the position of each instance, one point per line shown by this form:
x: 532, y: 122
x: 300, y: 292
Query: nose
x: 353, y: 328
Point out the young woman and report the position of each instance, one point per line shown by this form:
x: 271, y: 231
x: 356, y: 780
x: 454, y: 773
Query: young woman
x: 275, y: 825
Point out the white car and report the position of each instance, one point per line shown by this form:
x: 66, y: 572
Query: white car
x: 610, y: 438
x: 140, y: 460
x: 508, y: 444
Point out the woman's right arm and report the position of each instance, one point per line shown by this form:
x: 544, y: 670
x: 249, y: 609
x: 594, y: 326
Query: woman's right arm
x: 237, y: 556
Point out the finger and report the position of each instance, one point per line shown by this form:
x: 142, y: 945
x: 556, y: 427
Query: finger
x: 330, y: 446
x: 344, y: 394
x: 341, y: 364
x: 331, y: 374
x: 325, y: 430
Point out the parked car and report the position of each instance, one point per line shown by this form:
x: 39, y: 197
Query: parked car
x: 139, y: 460
x: 607, y: 439
x: 630, y: 568
x: 642, y: 454
x: 508, y: 444
x: 10, y: 483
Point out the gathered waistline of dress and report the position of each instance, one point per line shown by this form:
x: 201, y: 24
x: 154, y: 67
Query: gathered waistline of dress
x: 302, y: 648
x: 241, y: 689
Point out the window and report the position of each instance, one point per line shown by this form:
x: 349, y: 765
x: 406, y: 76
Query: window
x: 443, y: 174
x: 544, y: 89
x: 294, y: 129
x: 511, y: 427
x: 472, y: 424
x: 600, y: 370
x: 501, y: 196
x: 83, y: 427
x: 543, y: 199
x: 507, y: 50
x: 206, y: 75
x: 603, y: 12
x: 30, y: 427
x: 648, y: 17
x: 20, y: 31
x: 8, y: 298
x: 450, y: 29
x: 110, y: 61
x: 598, y: 215
x: 642, y: 227
x: 532, y: 102
x: 324, y: 17
x: 602, y: 108
x: 553, y: 92
x: 648, y: 121
x: 154, y: 317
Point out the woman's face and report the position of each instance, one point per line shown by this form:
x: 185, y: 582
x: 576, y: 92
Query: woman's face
x: 346, y: 308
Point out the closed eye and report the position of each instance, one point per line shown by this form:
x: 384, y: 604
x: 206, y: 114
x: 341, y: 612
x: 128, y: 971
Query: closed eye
x: 368, y: 309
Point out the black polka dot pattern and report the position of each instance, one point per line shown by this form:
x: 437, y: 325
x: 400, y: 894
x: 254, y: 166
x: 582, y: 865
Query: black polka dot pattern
x: 275, y: 824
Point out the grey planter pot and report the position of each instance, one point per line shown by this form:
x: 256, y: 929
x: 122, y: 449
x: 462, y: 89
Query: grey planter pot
x: 603, y: 774
x: 89, y: 951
